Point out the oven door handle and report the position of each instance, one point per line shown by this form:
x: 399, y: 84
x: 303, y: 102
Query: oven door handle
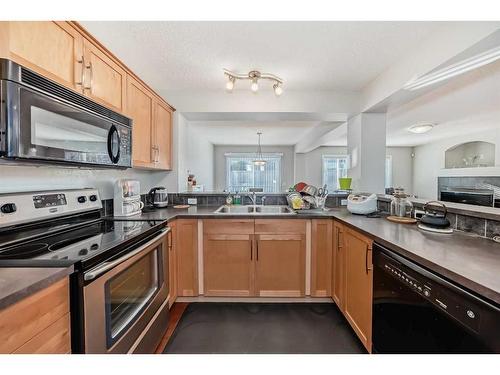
x: 94, y: 273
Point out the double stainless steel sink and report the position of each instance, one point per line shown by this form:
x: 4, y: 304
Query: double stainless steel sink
x: 260, y: 210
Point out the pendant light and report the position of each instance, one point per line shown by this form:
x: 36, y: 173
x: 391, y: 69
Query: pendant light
x: 259, y: 160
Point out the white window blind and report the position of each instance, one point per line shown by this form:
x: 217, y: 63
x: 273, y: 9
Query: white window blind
x: 242, y: 174
x: 334, y: 167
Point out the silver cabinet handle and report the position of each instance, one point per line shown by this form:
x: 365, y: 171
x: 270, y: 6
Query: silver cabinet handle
x: 91, y: 70
x: 99, y: 270
x: 82, y: 76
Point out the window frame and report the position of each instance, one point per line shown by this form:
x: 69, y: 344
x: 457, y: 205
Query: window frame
x: 229, y: 155
x: 337, y: 156
x: 390, y: 176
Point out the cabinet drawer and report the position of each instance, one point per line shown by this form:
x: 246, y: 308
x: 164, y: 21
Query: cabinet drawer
x: 55, y: 339
x: 280, y: 226
x: 228, y: 226
x: 22, y: 321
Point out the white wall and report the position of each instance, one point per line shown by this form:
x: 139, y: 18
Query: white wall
x: 17, y: 178
x: 288, y: 163
x: 313, y: 101
x: 429, y: 162
x: 402, y: 167
x: 196, y: 155
x: 366, y: 149
x: 309, y: 166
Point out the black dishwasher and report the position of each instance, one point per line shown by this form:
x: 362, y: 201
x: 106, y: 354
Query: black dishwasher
x: 417, y: 311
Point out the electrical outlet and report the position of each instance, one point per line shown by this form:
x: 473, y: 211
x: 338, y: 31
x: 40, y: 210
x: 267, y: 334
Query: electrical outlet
x: 192, y: 201
x: 417, y: 214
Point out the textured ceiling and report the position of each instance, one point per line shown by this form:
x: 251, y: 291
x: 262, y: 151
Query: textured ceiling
x: 307, y: 55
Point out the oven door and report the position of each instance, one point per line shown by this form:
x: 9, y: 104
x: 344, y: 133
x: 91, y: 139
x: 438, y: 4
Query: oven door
x: 41, y: 127
x: 123, y: 297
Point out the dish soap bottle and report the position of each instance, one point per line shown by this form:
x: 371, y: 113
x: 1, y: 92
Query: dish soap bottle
x: 237, y: 198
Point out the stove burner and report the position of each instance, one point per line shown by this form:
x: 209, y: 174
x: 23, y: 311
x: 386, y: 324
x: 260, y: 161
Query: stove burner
x: 24, y: 251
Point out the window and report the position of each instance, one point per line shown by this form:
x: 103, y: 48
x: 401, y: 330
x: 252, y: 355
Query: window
x: 334, y: 167
x: 242, y: 174
x: 388, y: 171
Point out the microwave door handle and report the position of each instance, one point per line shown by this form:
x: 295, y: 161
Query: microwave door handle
x: 96, y: 272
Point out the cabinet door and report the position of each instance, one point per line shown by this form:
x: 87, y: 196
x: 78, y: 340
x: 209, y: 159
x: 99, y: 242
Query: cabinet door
x: 187, y: 257
x: 359, y: 285
x: 280, y: 265
x: 140, y: 109
x: 321, y: 258
x: 228, y: 265
x: 338, y: 266
x: 163, y: 136
x: 105, y: 80
x: 172, y: 263
x: 53, y: 49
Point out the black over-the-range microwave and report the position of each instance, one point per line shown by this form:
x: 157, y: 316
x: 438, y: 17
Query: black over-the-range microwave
x: 42, y: 121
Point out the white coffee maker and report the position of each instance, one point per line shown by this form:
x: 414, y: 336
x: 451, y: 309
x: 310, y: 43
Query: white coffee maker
x: 127, y: 199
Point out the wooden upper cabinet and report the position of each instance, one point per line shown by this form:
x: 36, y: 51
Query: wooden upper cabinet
x: 162, y: 136
x: 359, y: 284
x: 338, y: 265
x: 52, y: 49
x: 228, y: 258
x: 280, y: 254
x: 321, y: 258
x: 187, y: 257
x: 105, y: 80
x: 140, y: 109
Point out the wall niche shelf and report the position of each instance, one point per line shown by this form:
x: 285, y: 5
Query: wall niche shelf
x: 476, y: 154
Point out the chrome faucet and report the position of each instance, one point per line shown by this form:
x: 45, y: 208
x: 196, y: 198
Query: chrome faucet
x: 253, y: 198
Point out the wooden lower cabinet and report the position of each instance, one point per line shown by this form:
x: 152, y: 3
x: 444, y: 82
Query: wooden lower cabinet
x: 280, y: 265
x: 187, y: 257
x: 280, y: 254
x: 321, y: 257
x: 39, y: 323
x: 228, y: 267
x: 172, y: 263
x: 338, y: 265
x: 358, y: 284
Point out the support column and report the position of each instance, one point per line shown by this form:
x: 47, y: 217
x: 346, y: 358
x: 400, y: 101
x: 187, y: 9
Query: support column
x: 366, y: 147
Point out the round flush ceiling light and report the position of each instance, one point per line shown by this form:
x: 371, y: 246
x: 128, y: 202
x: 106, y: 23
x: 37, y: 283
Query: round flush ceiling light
x: 421, y: 128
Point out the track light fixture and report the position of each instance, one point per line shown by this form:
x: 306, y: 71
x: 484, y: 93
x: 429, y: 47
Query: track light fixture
x: 254, y: 77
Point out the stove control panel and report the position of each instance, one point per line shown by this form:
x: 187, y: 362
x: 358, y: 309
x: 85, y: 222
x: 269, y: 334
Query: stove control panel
x: 49, y: 200
x: 18, y: 208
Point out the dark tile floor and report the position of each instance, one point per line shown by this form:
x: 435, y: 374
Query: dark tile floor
x: 279, y: 328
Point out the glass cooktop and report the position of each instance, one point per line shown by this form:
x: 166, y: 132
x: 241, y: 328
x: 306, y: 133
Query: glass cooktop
x: 85, y: 242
